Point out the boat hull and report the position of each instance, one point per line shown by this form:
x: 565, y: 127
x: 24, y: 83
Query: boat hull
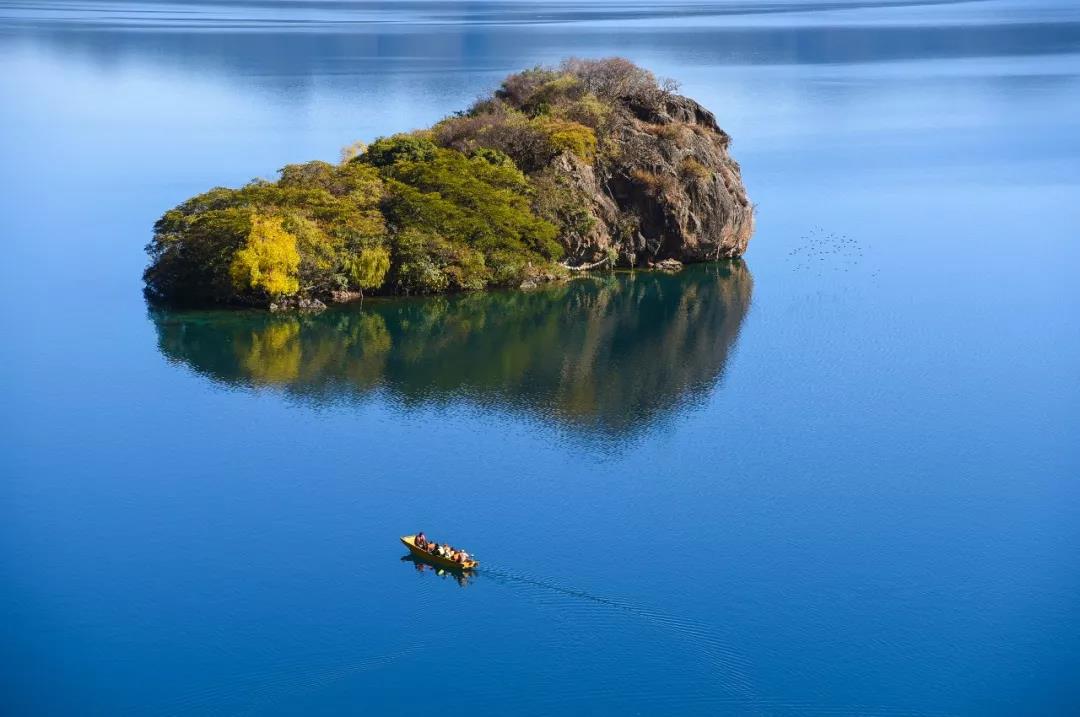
x: 410, y: 542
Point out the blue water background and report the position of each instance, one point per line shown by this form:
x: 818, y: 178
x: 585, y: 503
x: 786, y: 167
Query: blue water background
x: 868, y: 505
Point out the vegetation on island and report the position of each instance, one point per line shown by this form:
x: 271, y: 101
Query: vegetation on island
x: 500, y: 194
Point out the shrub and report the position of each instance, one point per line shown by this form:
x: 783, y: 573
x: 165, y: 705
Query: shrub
x: 507, y: 268
x: 468, y: 269
x: 385, y: 151
x: 415, y: 268
x: 675, y: 132
x: 656, y: 185
x: 519, y: 89
x: 564, y: 135
x: 560, y: 90
x: 690, y: 167
x: 588, y: 110
x: 494, y: 157
x: 613, y: 78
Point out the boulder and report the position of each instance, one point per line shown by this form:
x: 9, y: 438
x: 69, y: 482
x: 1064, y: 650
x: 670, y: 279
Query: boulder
x: 671, y: 265
x: 344, y: 297
x: 296, y: 303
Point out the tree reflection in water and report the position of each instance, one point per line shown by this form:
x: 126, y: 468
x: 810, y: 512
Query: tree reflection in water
x: 607, y: 354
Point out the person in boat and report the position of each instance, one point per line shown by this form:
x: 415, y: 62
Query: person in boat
x: 421, y: 540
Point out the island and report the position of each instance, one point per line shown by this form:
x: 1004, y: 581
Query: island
x: 591, y: 164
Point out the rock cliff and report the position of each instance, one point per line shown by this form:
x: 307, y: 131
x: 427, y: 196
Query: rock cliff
x: 661, y: 182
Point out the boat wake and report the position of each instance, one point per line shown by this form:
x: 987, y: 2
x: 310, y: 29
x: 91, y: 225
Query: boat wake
x: 732, y: 688
x: 729, y: 667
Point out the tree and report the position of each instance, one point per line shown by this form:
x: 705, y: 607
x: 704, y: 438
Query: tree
x: 268, y: 262
x: 367, y: 269
x: 401, y: 147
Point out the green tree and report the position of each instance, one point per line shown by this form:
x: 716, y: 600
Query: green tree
x: 471, y: 200
x: 385, y: 151
x: 367, y: 269
x: 193, y: 247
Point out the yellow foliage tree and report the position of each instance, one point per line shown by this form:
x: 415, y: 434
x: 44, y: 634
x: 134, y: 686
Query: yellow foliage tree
x: 268, y: 261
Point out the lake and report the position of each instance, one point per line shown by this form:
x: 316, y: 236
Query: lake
x: 840, y: 476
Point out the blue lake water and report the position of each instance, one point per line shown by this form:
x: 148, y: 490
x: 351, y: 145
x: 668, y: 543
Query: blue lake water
x: 840, y: 477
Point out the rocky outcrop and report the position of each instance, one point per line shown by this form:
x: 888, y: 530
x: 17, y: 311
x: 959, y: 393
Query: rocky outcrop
x: 666, y: 189
x: 344, y: 297
x: 630, y: 172
x: 698, y: 210
x: 671, y: 265
x: 294, y: 303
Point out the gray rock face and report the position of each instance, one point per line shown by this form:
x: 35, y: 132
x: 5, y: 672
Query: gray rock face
x: 670, y: 190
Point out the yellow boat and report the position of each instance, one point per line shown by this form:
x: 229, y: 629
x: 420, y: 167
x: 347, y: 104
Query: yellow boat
x: 410, y: 543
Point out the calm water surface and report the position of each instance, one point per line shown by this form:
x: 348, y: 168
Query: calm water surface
x: 839, y: 477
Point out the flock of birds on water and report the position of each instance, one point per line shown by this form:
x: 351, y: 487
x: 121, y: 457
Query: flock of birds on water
x: 822, y: 251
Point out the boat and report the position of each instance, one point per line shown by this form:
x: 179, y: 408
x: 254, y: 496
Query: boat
x: 410, y: 543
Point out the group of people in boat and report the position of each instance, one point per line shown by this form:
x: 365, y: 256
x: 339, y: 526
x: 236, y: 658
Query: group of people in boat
x: 444, y: 550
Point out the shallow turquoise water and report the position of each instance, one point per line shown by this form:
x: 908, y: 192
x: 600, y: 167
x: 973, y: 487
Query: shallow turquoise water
x: 837, y: 478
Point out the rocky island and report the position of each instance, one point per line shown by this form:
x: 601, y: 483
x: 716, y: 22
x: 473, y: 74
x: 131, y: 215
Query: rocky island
x: 592, y: 164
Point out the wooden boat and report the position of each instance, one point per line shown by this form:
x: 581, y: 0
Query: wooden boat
x: 410, y: 543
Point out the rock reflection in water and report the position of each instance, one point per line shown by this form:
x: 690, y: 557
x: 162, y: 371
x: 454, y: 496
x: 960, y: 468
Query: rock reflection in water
x: 608, y: 354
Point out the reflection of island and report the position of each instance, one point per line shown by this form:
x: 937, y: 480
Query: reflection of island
x: 609, y: 354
